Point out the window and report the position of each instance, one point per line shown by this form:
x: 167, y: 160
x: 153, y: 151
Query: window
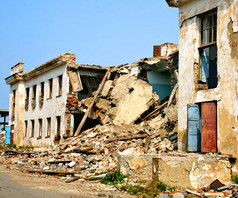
x: 33, y: 99
x: 32, y: 128
x: 48, y: 127
x: 208, y: 49
x: 40, y: 128
x: 27, y: 98
x: 13, y: 105
x: 41, y: 95
x: 57, y: 135
x: 26, y: 128
x: 60, y: 78
x: 58, y: 126
x: 50, y: 87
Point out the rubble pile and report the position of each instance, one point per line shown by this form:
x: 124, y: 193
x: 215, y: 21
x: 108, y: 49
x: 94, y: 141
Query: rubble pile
x: 94, y: 151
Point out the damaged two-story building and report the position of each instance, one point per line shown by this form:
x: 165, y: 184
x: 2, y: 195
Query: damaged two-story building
x: 208, y: 76
x: 46, y: 103
x: 40, y: 99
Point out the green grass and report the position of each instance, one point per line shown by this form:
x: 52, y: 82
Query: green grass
x: 113, y: 177
x: 151, y: 190
x: 234, y: 178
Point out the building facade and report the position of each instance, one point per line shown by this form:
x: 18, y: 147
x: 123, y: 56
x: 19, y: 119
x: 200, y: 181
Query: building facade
x: 208, y: 75
x: 39, y: 113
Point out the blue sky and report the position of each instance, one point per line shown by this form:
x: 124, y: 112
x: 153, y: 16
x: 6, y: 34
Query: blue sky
x: 101, y: 32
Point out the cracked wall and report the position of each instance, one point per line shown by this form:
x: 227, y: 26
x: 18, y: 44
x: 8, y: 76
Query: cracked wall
x: 226, y: 93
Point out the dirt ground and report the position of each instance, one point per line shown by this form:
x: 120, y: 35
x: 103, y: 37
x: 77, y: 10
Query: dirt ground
x: 80, y: 188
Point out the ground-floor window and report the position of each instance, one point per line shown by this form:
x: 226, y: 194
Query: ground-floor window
x: 32, y: 128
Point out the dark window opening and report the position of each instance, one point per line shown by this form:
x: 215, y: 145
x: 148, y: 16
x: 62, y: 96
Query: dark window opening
x: 40, y: 128
x: 33, y: 99
x: 89, y: 123
x: 13, y: 105
x: 27, y: 98
x: 60, y: 79
x: 26, y: 123
x: 32, y: 128
x: 57, y: 135
x: 208, y: 50
x: 48, y: 128
x: 42, y: 93
x: 50, y: 83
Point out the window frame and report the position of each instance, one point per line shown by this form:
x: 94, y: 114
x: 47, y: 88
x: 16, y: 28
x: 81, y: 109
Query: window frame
x: 50, y: 88
x: 48, y: 127
x: 32, y: 128
x: 40, y: 128
x: 60, y: 85
x: 208, y: 45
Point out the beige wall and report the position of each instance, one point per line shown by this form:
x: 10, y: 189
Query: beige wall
x: 226, y: 93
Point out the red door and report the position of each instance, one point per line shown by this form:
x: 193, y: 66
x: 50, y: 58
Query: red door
x: 12, y: 134
x: 209, y: 127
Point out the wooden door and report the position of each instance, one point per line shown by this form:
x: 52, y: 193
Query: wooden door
x: 12, y: 134
x: 209, y: 127
x: 194, y: 135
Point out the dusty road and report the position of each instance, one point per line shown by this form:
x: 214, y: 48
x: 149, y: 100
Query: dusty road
x: 16, y: 184
x: 11, y: 189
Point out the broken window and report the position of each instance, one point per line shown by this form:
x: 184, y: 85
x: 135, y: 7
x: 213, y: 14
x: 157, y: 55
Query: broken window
x: 26, y: 123
x: 27, y: 98
x: 208, y: 49
x: 32, y: 128
x: 41, y: 94
x: 60, y: 79
x: 40, y: 128
x: 33, y: 99
x: 13, y: 105
x: 48, y: 127
x: 50, y: 88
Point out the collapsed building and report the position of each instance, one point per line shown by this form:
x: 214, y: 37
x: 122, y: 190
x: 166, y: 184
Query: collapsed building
x: 61, y: 98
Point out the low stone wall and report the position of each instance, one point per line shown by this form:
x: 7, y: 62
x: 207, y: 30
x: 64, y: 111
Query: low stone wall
x: 179, y: 170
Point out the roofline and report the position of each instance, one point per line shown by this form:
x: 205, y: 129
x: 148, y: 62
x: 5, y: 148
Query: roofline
x: 176, y: 3
x: 53, y: 63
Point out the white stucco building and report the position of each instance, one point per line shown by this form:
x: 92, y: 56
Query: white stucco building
x: 40, y: 99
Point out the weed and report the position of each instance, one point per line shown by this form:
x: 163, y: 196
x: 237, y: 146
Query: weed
x: 234, y: 178
x: 113, y: 177
x: 134, y: 190
x: 151, y: 190
x: 9, y: 146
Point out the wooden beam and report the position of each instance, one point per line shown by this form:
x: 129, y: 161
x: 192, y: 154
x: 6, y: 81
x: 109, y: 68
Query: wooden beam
x: 91, y: 105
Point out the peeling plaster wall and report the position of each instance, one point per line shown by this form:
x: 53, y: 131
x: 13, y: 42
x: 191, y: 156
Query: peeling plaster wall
x: 51, y: 108
x: 226, y: 93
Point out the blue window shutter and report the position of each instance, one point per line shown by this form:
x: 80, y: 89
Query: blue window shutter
x: 194, y: 128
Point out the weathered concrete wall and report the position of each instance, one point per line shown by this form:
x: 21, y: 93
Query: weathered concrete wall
x: 179, y: 170
x: 226, y: 92
x: 193, y: 171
